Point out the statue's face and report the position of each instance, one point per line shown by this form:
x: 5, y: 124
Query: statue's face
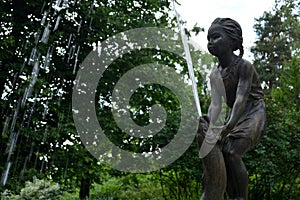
x: 218, y: 41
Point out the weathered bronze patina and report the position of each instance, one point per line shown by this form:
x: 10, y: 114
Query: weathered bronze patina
x: 241, y: 89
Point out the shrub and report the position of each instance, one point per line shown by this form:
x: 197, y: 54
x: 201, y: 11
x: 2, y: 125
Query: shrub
x: 37, y: 189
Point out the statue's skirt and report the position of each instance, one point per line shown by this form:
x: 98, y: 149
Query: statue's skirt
x: 251, y: 124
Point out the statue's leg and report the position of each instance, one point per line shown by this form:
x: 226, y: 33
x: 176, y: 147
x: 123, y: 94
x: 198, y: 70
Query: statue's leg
x: 214, y: 180
x: 233, y: 151
x: 230, y: 188
x: 215, y: 175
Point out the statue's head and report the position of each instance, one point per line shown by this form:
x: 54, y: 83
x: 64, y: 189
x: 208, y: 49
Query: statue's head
x: 232, y: 30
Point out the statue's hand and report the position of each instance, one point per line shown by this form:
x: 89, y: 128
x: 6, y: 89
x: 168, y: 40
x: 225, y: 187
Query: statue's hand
x: 203, y: 125
x: 224, y: 132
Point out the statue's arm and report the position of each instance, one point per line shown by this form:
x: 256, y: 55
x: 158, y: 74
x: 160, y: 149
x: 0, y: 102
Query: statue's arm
x: 245, y: 73
x: 217, y: 91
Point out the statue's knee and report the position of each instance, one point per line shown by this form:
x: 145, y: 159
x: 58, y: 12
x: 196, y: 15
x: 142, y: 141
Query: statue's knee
x: 231, y: 155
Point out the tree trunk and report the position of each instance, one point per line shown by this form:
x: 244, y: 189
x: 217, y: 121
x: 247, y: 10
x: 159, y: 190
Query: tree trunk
x: 85, y: 188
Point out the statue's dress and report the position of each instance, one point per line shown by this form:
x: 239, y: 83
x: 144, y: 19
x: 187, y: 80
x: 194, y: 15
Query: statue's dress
x: 252, y: 122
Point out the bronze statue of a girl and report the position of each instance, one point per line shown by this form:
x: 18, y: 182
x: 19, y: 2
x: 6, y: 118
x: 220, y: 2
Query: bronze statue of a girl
x: 241, y: 89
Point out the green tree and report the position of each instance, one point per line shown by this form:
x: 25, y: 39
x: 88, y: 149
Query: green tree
x: 39, y: 137
x: 278, y: 40
x: 273, y: 163
x: 44, y: 122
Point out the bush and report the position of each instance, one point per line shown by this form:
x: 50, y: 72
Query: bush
x: 130, y: 187
x: 38, y: 189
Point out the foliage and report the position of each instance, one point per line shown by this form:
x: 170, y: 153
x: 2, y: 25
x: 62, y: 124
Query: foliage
x: 278, y: 39
x: 38, y: 189
x: 131, y: 186
x: 128, y: 186
x: 273, y: 164
x: 47, y: 143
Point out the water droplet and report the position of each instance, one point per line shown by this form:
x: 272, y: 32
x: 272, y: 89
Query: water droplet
x: 34, y: 76
x: 6, y: 123
x: 57, y: 23
x: 70, y: 39
x: 76, y: 59
x: 46, y: 12
x: 5, y: 173
x: 46, y: 34
x: 79, y: 26
x: 33, y: 56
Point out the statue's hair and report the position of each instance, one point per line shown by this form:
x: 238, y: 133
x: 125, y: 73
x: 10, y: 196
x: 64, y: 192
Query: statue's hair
x: 234, y: 31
